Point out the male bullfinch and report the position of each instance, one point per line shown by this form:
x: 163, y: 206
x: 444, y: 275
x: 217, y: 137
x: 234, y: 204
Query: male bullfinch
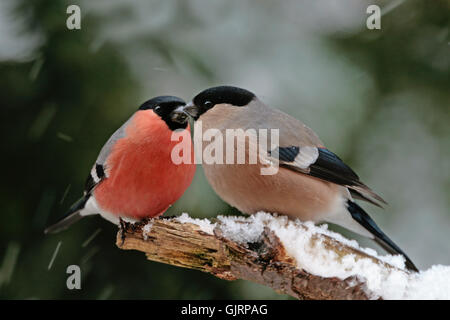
x: 134, y: 176
x: 312, y: 183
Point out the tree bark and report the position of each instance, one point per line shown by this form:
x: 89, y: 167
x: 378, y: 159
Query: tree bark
x: 265, y: 262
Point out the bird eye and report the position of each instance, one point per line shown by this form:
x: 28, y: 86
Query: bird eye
x: 207, y: 104
x: 157, y: 108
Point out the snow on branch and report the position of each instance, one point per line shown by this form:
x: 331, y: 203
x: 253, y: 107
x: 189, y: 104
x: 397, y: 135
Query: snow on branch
x: 296, y: 258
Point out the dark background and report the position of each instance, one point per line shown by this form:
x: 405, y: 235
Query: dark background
x: 378, y: 98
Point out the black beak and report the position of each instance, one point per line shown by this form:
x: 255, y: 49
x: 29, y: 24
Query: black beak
x: 179, y: 115
x: 191, y: 109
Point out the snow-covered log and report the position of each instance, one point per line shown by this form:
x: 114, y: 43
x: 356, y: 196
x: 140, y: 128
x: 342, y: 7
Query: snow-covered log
x: 292, y: 257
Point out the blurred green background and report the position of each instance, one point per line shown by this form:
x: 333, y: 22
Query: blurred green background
x: 378, y: 98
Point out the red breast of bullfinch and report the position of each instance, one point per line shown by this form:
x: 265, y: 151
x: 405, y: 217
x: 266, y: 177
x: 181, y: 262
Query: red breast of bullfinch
x: 134, y: 176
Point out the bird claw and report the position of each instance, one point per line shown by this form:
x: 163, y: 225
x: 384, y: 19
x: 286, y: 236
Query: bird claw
x: 123, y: 228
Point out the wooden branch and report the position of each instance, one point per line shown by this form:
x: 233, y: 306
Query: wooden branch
x: 265, y: 262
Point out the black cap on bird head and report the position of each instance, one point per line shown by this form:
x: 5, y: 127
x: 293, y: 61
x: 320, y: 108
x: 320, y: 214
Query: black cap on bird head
x: 168, y: 107
x: 208, y: 98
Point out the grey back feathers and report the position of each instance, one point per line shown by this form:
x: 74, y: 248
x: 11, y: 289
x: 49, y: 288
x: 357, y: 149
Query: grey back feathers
x: 106, y: 149
x: 99, y: 169
x: 256, y: 115
x: 246, y: 111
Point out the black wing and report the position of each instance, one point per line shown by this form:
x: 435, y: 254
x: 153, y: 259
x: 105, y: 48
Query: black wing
x: 330, y: 167
x: 324, y: 164
x: 96, y: 175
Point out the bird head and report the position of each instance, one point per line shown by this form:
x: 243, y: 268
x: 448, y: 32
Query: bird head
x: 227, y: 96
x: 169, y: 109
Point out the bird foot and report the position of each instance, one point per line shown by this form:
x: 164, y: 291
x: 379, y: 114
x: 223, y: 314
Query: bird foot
x: 123, y: 228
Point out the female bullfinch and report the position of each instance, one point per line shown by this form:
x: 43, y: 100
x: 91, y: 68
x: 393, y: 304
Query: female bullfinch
x: 134, y: 176
x: 312, y: 183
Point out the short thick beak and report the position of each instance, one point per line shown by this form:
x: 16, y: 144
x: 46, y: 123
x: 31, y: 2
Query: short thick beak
x: 191, y: 109
x: 179, y: 115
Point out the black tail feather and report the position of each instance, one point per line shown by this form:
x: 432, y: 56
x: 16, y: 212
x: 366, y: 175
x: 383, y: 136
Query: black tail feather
x: 72, y: 216
x: 359, y: 215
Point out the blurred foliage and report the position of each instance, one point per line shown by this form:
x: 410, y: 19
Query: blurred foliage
x: 82, y: 93
x: 411, y: 53
x: 61, y: 103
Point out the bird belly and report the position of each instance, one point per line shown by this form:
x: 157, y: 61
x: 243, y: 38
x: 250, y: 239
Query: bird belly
x: 143, y: 180
x: 293, y: 194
